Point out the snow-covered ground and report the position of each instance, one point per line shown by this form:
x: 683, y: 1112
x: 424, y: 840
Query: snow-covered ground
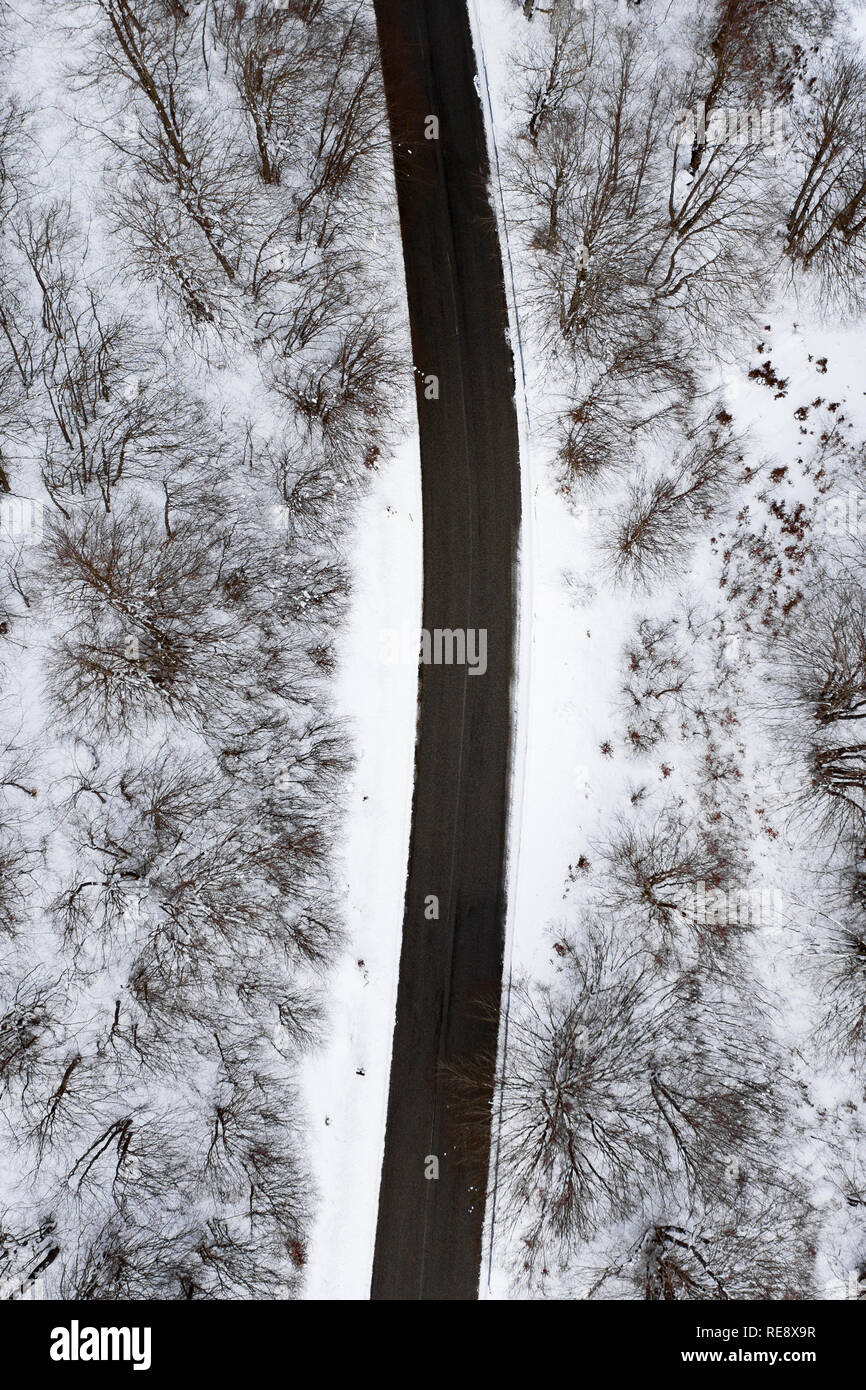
x: 346, y: 1082
x: 111, y: 1157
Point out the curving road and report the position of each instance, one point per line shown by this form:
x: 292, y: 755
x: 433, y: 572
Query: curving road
x: 428, y: 1243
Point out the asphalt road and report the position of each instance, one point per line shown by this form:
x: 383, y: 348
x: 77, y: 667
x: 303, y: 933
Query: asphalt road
x: 428, y: 1242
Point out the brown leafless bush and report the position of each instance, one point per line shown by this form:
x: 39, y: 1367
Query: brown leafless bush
x: 662, y: 515
x: 659, y: 681
x: 654, y: 873
x: 344, y: 396
x: 639, y: 394
x: 349, y: 382
x: 306, y: 482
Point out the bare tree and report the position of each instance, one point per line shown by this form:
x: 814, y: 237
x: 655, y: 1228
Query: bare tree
x: 25, y: 1256
x: 750, y: 53
x: 210, y: 885
x: 548, y: 67
x: 270, y: 52
x: 143, y: 633
x: 827, y: 213
x: 618, y: 1082
x: 31, y: 1011
x: 756, y: 1244
x: 583, y: 175
x: 821, y: 661
x: 819, y: 666
x: 308, y: 81
x: 837, y: 954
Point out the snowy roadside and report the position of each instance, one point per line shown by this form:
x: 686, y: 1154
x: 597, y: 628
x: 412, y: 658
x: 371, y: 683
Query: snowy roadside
x: 571, y: 777
x: 559, y: 701
x: 346, y: 1080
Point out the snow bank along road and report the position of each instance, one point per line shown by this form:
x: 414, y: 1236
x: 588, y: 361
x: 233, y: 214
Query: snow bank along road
x: 428, y: 1242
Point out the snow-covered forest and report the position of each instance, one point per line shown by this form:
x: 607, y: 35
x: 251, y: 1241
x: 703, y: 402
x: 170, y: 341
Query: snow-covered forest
x: 205, y: 376
x: 681, y: 1088
x: 199, y: 375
